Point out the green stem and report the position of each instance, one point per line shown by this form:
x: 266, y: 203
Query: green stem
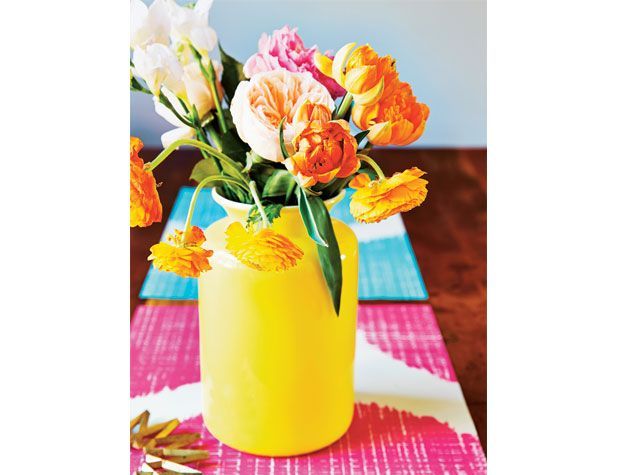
x: 213, y: 152
x: 201, y: 136
x: 164, y: 100
x: 136, y: 86
x: 261, y: 208
x: 372, y: 164
x: 211, y: 76
x: 200, y: 186
x: 343, y: 107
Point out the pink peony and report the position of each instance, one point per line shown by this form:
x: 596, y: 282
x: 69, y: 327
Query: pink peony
x: 284, y: 49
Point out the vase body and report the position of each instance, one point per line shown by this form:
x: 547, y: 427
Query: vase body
x: 276, y: 361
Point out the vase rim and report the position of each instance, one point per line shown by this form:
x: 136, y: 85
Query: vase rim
x: 224, y: 202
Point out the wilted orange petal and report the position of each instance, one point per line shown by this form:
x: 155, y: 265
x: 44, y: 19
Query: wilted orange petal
x: 263, y: 250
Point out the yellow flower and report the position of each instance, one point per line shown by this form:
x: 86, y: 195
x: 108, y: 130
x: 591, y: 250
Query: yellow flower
x: 363, y: 73
x: 144, y: 202
x: 396, y: 119
x: 264, y: 250
x: 184, y: 256
x: 379, y: 199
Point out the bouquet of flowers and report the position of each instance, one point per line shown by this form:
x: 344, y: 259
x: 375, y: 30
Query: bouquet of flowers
x: 272, y: 132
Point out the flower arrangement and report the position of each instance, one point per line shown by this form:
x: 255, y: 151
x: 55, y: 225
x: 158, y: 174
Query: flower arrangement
x: 272, y: 132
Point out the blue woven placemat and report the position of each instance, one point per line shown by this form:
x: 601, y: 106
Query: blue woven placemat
x: 388, y: 269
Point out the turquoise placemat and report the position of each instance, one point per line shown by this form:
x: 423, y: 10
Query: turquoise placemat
x: 388, y: 269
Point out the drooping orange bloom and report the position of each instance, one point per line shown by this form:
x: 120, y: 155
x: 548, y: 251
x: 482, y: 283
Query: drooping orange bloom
x: 182, y: 254
x: 377, y: 200
x: 396, y: 119
x: 363, y: 73
x: 144, y: 202
x: 324, y: 149
x: 263, y: 250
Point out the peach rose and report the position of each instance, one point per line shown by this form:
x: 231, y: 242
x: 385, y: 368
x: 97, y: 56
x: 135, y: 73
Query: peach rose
x: 260, y: 104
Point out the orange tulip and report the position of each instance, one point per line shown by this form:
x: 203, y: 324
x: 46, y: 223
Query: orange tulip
x: 323, y: 150
x: 363, y: 73
x: 144, y: 202
x: 181, y: 254
x: 311, y: 111
x: 377, y: 200
x: 397, y: 119
x: 263, y: 250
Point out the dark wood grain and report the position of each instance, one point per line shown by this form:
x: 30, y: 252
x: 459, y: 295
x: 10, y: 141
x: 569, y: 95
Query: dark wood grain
x: 448, y: 234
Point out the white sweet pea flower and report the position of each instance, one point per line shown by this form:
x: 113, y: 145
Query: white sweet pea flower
x: 149, y: 24
x: 181, y: 130
x: 190, y: 25
x: 198, y: 90
x: 158, y: 66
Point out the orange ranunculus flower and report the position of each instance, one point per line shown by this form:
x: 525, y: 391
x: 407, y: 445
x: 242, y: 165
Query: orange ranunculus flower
x: 397, y: 119
x: 264, y: 250
x: 323, y: 150
x: 144, y: 202
x: 377, y: 200
x: 311, y: 111
x: 363, y: 73
x: 184, y: 255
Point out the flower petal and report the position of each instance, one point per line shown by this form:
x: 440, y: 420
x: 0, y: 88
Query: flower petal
x: 380, y: 134
x: 323, y: 63
x: 340, y: 61
x: 263, y: 250
x: 371, y: 96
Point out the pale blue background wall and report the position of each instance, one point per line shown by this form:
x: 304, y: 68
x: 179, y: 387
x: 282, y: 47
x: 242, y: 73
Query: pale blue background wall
x: 440, y: 47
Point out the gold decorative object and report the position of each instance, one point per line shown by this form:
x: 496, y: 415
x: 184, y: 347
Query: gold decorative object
x: 165, y: 452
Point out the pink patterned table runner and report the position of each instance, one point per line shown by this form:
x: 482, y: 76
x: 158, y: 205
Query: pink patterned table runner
x: 416, y: 423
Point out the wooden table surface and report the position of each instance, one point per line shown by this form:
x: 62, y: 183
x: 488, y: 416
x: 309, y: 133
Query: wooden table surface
x: 448, y: 234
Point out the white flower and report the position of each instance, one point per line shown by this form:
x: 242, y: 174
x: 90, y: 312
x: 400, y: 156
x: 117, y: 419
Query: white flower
x: 149, y: 24
x: 191, y: 25
x: 198, y: 90
x: 182, y: 131
x: 260, y: 104
x: 158, y: 66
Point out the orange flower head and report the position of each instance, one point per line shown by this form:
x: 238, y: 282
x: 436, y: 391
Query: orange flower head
x: 182, y: 254
x: 362, y: 72
x: 323, y: 151
x: 263, y: 250
x: 311, y: 111
x: 144, y: 202
x: 397, y: 119
x: 377, y: 200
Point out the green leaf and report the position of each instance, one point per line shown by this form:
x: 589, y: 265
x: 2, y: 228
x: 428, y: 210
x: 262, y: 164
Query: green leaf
x: 283, y: 147
x: 278, y: 184
x: 252, y: 159
x: 260, y: 173
x: 361, y: 135
x: 335, y: 186
x: 308, y: 217
x: 232, y: 74
x: 229, y: 143
x: 289, y: 193
x: 271, y: 210
x: 329, y: 256
x: 204, y: 168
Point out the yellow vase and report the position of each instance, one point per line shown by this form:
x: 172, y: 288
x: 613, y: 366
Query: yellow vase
x: 276, y: 361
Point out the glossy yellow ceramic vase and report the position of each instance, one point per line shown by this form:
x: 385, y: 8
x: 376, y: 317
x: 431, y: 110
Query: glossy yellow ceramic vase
x: 276, y: 361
